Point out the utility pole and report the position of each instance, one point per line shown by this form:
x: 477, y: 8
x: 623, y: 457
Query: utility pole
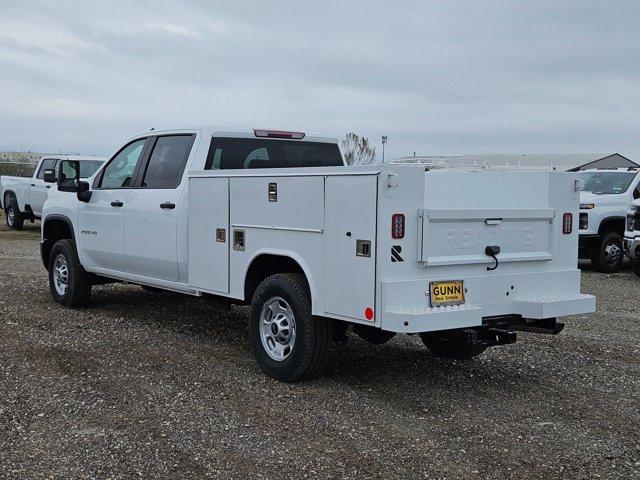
x: 384, y: 141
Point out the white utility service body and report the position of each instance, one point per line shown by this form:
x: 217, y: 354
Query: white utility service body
x: 27, y: 195
x: 468, y: 255
x: 450, y: 217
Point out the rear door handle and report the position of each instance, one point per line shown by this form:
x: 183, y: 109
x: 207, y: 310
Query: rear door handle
x: 117, y: 203
x: 168, y: 205
x: 33, y: 184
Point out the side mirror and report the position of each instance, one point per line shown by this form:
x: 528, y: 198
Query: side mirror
x: 84, y: 192
x: 49, y: 176
x: 69, y: 176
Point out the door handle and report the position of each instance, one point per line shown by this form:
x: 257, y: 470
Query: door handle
x: 32, y: 184
x: 117, y: 203
x: 48, y: 186
x: 168, y: 205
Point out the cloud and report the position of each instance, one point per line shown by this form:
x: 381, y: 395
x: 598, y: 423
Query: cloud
x: 437, y: 77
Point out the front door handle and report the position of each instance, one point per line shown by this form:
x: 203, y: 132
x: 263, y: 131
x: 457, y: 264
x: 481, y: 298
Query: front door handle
x: 32, y: 184
x: 117, y: 203
x: 168, y: 205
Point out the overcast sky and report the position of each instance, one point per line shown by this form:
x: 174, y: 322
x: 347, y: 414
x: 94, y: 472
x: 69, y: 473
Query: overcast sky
x: 439, y: 77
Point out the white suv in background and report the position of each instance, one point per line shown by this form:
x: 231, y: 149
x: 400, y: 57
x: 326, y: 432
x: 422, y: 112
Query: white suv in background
x: 604, y: 202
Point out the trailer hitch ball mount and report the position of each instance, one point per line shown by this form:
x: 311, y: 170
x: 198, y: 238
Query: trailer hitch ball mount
x: 489, y: 337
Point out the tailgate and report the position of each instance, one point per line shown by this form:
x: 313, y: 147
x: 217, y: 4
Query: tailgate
x: 459, y: 237
x: 519, y: 212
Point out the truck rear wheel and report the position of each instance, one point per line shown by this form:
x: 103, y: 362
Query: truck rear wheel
x: 68, y: 281
x: 450, y: 345
x: 14, y: 218
x: 609, y: 256
x: 288, y: 342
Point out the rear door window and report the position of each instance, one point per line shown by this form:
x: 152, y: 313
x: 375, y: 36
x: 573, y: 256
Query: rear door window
x: 167, y: 161
x: 248, y: 153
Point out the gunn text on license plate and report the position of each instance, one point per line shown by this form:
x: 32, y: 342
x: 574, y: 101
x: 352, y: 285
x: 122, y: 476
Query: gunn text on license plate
x: 450, y: 292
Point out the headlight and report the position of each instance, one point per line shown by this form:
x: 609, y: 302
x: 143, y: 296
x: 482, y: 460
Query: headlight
x: 584, y: 221
x: 631, y: 223
x: 587, y: 206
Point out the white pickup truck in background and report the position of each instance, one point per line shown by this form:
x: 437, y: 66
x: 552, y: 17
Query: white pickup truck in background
x: 22, y: 198
x: 275, y: 220
x: 604, y: 202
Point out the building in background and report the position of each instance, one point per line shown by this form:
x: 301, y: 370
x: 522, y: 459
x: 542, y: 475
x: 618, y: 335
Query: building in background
x: 565, y: 162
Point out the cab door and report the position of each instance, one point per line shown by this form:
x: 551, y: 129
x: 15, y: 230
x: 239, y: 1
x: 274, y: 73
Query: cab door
x: 152, y: 210
x: 38, y: 189
x: 101, y: 219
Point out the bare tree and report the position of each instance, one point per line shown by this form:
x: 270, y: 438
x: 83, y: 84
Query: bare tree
x: 357, y: 150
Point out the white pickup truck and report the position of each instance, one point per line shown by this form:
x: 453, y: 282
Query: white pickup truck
x: 22, y: 198
x: 604, y: 201
x: 275, y: 220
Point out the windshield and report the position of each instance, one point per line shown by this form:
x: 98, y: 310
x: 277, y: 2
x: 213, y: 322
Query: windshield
x: 89, y: 167
x: 607, y: 182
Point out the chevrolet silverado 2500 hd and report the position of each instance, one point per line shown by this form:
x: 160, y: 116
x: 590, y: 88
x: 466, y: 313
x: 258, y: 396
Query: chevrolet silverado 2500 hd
x: 275, y: 220
x: 604, y: 201
x: 22, y: 198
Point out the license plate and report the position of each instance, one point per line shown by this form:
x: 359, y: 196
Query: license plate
x: 450, y: 292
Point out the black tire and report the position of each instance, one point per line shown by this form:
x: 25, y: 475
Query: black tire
x: 373, y: 335
x: 13, y: 216
x: 609, y: 257
x: 450, y: 346
x: 635, y: 265
x: 307, y: 352
x: 78, y: 287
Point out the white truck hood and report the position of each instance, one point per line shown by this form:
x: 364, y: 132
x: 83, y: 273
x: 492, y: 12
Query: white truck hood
x: 603, y: 199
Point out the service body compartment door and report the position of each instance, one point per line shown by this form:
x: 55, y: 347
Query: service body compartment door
x: 350, y: 219
x: 208, y: 240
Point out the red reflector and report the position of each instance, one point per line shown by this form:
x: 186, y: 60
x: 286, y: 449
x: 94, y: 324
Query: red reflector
x: 368, y: 313
x: 397, y: 225
x: 567, y: 223
x: 278, y: 134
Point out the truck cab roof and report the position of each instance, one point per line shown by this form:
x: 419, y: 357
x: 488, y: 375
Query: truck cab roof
x: 246, y: 132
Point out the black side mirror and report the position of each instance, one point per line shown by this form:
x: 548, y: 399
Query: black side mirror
x: 84, y: 192
x: 69, y: 176
x: 50, y: 176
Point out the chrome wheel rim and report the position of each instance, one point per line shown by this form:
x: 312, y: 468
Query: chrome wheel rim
x: 277, y: 328
x: 60, y: 275
x: 11, y: 215
x: 612, y: 253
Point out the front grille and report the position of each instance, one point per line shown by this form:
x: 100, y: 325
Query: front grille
x: 584, y: 221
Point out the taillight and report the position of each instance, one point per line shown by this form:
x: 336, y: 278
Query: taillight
x: 567, y: 223
x: 278, y: 134
x: 397, y: 225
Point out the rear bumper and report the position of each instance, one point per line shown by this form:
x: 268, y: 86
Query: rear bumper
x: 533, y: 296
x: 588, y: 245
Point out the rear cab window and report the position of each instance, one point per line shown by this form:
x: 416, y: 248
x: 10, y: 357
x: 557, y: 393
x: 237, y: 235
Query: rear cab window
x: 248, y: 153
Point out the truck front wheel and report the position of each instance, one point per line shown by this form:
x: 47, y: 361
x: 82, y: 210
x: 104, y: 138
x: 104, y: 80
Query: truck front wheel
x: 68, y: 281
x: 14, y: 218
x: 609, y: 256
x: 450, y: 346
x: 288, y: 342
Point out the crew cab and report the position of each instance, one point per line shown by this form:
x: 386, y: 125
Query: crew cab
x: 275, y: 220
x: 22, y: 198
x: 632, y: 236
x: 604, y: 202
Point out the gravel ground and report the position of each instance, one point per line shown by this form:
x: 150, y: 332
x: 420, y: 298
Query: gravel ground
x: 163, y: 386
